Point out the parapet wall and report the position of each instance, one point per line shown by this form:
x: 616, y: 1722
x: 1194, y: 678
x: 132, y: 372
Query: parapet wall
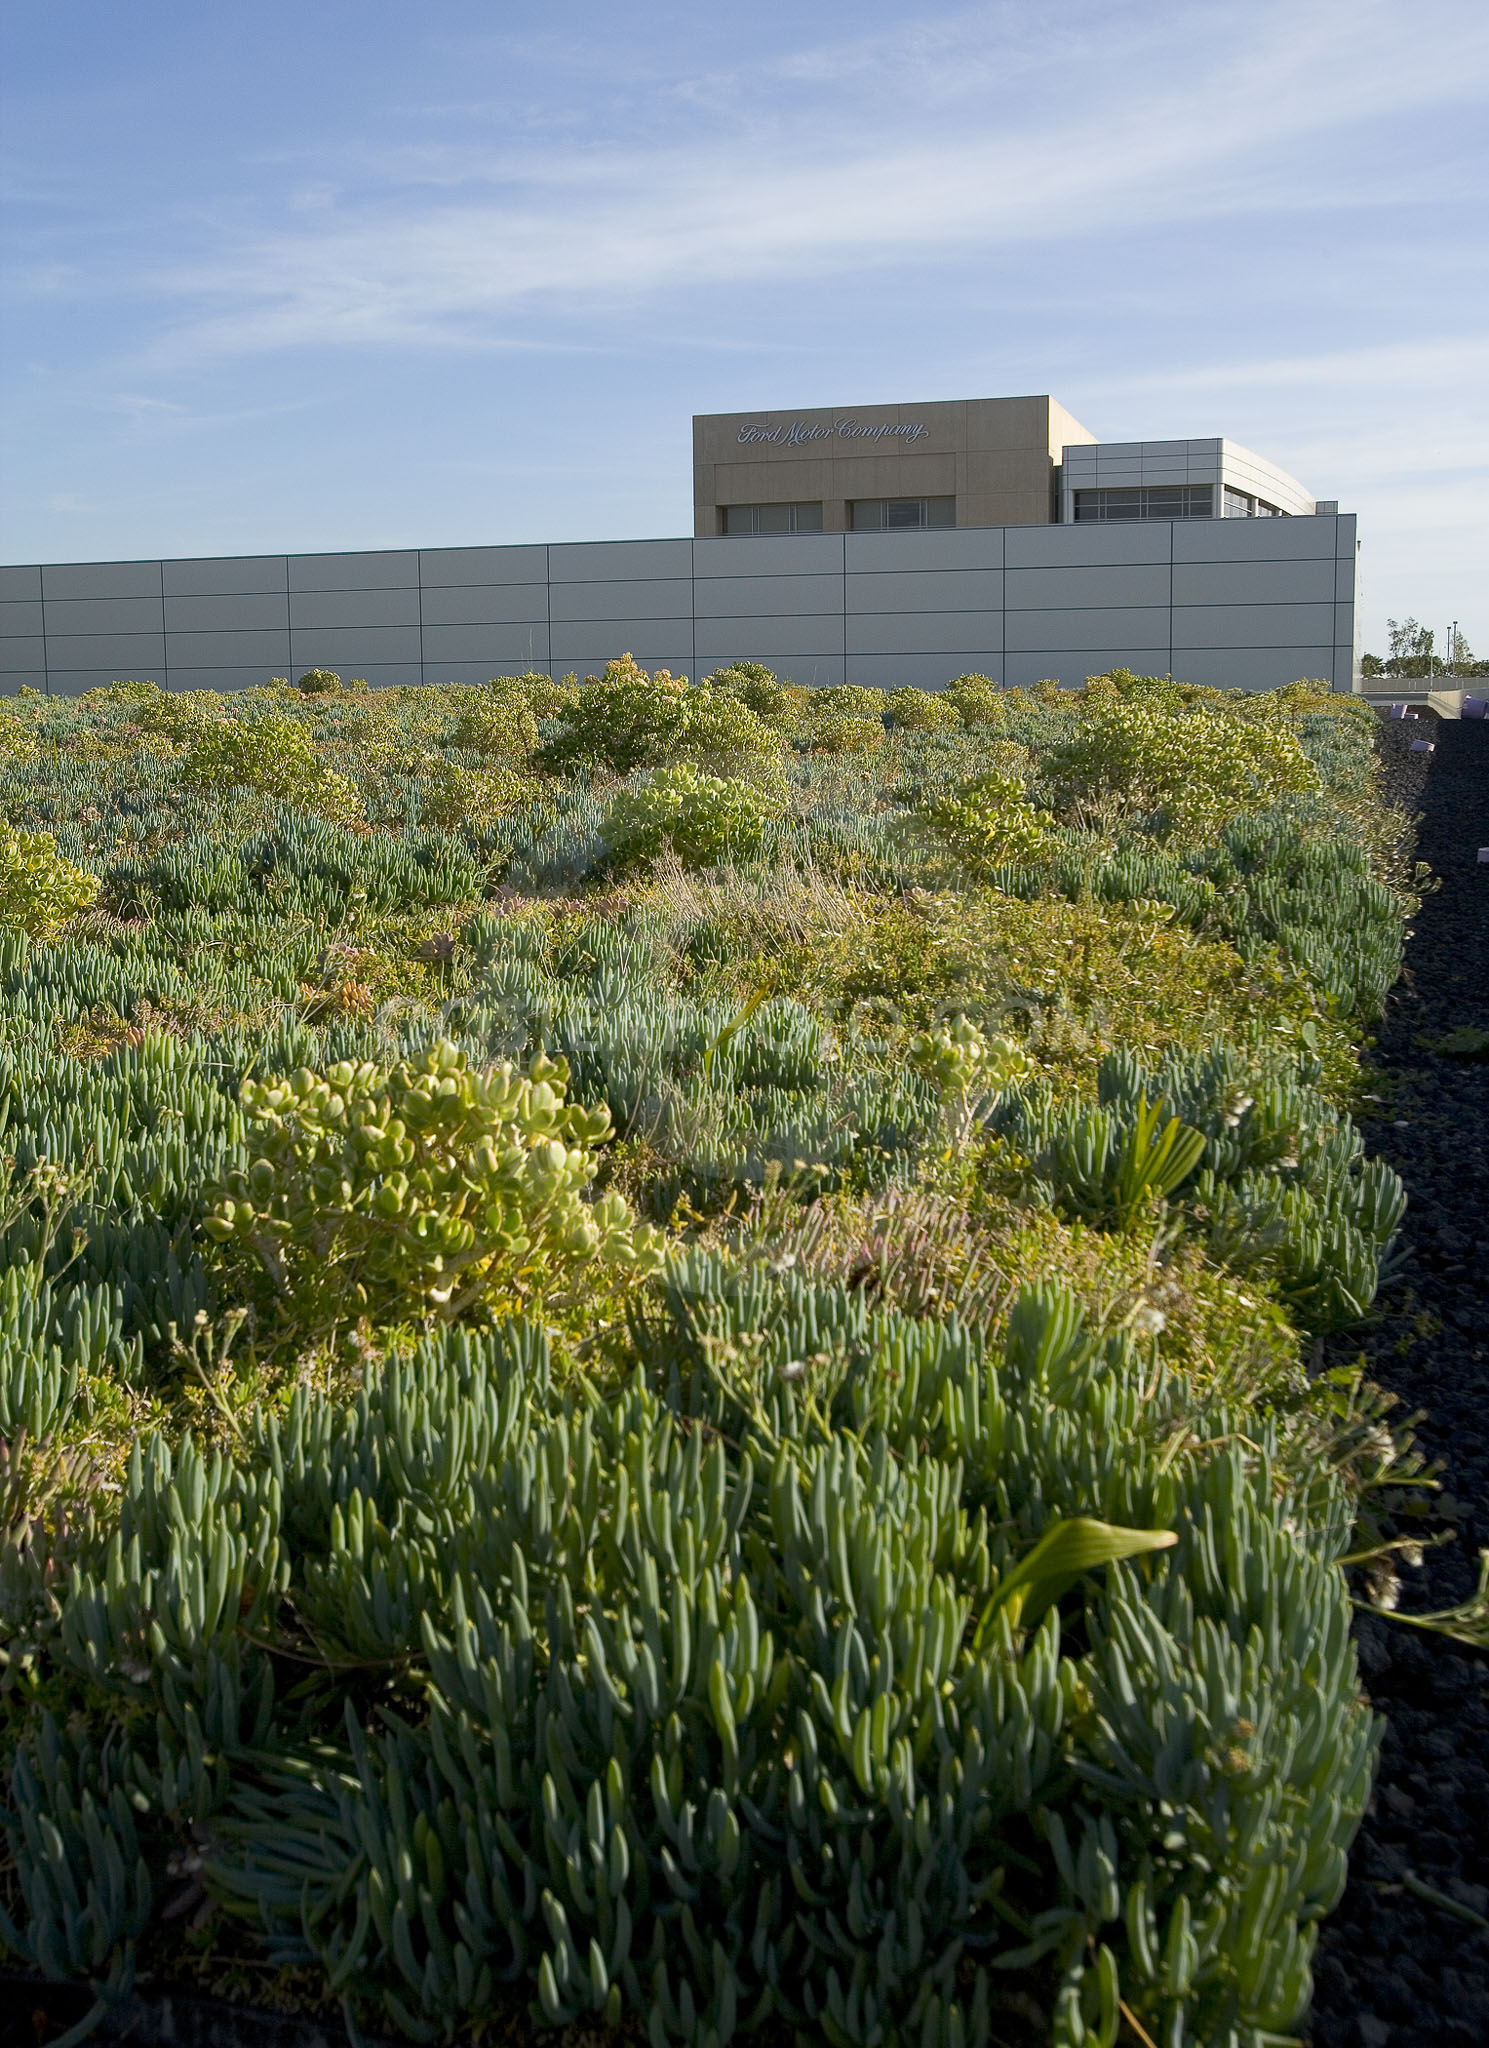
x: 1241, y: 603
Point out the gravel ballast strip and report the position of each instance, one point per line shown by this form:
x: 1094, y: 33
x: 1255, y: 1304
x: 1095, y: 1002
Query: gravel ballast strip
x: 1398, y: 1967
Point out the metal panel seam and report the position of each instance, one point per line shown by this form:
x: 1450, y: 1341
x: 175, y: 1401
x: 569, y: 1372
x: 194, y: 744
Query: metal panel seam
x: 419, y: 593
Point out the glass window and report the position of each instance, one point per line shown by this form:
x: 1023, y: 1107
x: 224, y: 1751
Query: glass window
x: 1146, y: 501
x: 900, y: 515
x: 1241, y: 505
x: 802, y: 518
x: 1170, y: 504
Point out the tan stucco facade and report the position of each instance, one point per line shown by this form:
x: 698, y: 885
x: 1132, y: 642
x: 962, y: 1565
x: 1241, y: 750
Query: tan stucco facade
x: 996, y: 456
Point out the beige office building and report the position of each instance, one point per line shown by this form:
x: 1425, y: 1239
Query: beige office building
x: 962, y: 462
x: 878, y: 468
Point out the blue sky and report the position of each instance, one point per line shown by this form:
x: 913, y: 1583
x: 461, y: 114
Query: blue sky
x: 333, y: 275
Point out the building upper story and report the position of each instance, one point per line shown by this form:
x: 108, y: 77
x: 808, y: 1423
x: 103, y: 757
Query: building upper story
x: 963, y: 462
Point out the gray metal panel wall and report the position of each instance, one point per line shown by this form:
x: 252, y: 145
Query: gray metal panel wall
x: 1246, y: 603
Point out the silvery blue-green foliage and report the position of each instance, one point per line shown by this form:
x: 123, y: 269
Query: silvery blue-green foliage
x: 1283, y: 1183
x: 558, y: 847
x: 1198, y: 1731
x: 50, y: 1335
x: 1267, y: 883
x: 688, y: 1709
x: 300, y: 866
x: 1268, y: 1170
x: 727, y: 1095
x: 86, y: 1891
x: 130, y: 1135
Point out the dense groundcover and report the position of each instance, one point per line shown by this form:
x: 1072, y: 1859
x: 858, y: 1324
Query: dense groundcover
x: 656, y: 1356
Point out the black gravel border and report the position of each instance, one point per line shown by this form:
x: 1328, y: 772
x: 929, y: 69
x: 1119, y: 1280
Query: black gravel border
x: 1396, y: 1969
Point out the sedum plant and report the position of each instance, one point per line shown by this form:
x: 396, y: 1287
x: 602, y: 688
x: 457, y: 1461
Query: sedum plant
x: 497, y: 722
x: 977, y: 700
x: 838, y: 1669
x: 756, y: 686
x: 1184, y: 771
x: 703, y: 819
x: 39, y: 890
x: 470, y: 796
x: 841, y: 733
x: 428, y: 1191
x: 922, y: 711
x: 985, y: 822
x: 627, y: 719
x: 959, y: 1058
x: 273, y: 755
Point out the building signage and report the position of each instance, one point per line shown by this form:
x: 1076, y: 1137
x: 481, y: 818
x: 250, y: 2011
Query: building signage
x: 799, y: 432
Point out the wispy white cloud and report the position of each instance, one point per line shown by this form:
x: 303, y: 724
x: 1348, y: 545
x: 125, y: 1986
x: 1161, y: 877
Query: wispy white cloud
x: 967, y: 136
x: 1378, y: 414
x: 1398, y: 432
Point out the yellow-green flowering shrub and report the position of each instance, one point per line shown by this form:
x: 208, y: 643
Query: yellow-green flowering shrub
x: 319, y: 682
x: 703, y: 818
x: 620, y: 721
x: 172, y: 714
x: 626, y: 719
x: 466, y: 796
x: 984, y: 823
x: 756, y: 686
x: 275, y: 756
x: 841, y: 733
x: 1186, y: 771
x: 544, y: 695
x: 429, y: 1190
x: 846, y: 700
x: 497, y: 722
x: 124, y: 691
x: 922, y: 711
x: 1082, y: 976
x: 16, y: 744
x: 39, y: 890
x: 977, y: 700
x: 1158, y: 692
x: 722, y: 736
x: 1293, y: 700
